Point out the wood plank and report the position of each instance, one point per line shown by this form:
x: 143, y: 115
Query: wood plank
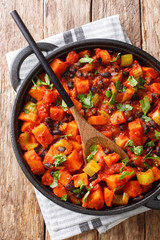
x: 20, y: 216
x: 150, y: 11
x: 128, y: 11
x: 60, y: 16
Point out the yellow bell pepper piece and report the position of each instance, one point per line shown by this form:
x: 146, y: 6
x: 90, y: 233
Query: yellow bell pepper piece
x: 95, y: 99
x: 145, y: 178
x: 31, y: 107
x: 156, y: 116
x: 91, y: 168
x: 120, y: 199
x: 126, y: 60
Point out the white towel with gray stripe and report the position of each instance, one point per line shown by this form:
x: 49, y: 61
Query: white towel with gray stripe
x: 62, y: 223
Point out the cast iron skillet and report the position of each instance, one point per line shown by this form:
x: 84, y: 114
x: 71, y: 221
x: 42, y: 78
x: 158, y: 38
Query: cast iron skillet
x: 150, y: 200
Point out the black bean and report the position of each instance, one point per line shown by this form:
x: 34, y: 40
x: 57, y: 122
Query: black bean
x: 153, y: 124
x: 79, y: 74
x: 42, y: 152
x: 94, y: 177
x: 99, y: 60
x: 70, y: 84
x: 72, y: 69
x: 70, y: 186
x: 130, y: 119
x: 85, y: 75
x: 131, y: 164
x: 107, y: 151
x: 149, y: 149
x: 116, y: 69
x: 110, y: 110
x: 158, y: 150
x: 94, y: 89
x: 56, y: 132
x: 105, y: 74
x: 100, y: 83
x: 83, y: 192
x: 49, y: 120
x: 61, y: 149
x: 71, y: 75
x: 90, y: 75
x: 65, y: 74
x: 155, y: 95
x: 78, y: 65
x: 125, y: 74
x: 146, y: 129
x: 134, y: 97
x: 139, y: 113
x: 48, y: 165
x: 78, y: 195
x: 121, y: 127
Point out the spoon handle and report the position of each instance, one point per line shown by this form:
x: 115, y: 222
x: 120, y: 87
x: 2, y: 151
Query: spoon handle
x: 41, y: 58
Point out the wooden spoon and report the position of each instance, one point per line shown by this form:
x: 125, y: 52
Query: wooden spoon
x: 89, y: 134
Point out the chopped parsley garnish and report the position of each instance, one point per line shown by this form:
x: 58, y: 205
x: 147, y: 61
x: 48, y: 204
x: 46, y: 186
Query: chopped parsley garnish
x: 145, y: 105
x: 149, y: 155
x: 124, y: 174
x: 108, y: 93
x: 114, y: 60
x: 26, y: 111
x: 124, y: 107
x: 135, y: 83
x: 58, y: 101
x: 137, y: 150
x: 86, y: 59
x: 129, y: 143
x: 113, y: 98
x: 33, y: 104
x: 59, y: 159
x: 86, y: 100
x: 56, y: 176
x: 147, y: 165
x: 145, y: 118
x: 118, y: 83
x: 93, y: 150
x: 40, y: 83
x: 124, y: 161
x: 64, y: 106
x: 157, y: 134
x: 80, y: 182
x: 64, y: 198
x: 67, y: 135
x: 150, y: 144
x: 96, y: 73
x: 117, y: 188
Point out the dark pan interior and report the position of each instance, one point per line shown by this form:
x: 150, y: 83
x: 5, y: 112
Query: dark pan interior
x: 144, y: 58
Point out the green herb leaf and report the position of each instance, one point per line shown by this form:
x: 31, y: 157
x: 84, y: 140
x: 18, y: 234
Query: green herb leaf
x: 147, y: 119
x: 124, y: 174
x: 157, y: 134
x: 108, y: 93
x: 114, y: 60
x: 132, y: 81
x: 90, y: 157
x: 90, y: 186
x: 40, y: 83
x: 124, y: 107
x: 138, y: 150
x: 59, y: 159
x: 124, y: 161
x: 113, y: 98
x: 96, y: 73
x: 33, y: 104
x: 150, y: 156
x: 26, y: 111
x: 76, y: 190
x: 64, y: 106
x: 147, y: 165
x: 86, y: 59
x: 115, y: 189
x: 67, y: 135
x: 86, y: 196
x: 145, y: 104
x: 118, y: 83
x: 150, y: 144
x: 56, y: 176
x: 129, y: 143
x: 58, y: 101
x: 64, y: 198
x: 93, y: 149
x: 141, y: 81
x: 86, y: 100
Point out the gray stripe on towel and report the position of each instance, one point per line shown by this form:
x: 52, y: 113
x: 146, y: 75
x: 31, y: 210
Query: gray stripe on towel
x: 67, y: 37
x: 96, y: 223
x: 84, y: 227
x: 79, y: 33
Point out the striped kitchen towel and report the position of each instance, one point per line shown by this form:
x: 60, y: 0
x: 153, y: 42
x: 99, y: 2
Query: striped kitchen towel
x: 62, y: 223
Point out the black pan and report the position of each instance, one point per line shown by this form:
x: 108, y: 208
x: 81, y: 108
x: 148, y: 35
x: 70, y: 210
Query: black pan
x: 151, y: 198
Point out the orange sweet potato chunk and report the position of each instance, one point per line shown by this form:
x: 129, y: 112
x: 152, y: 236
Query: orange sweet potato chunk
x: 47, y: 179
x: 59, y: 66
x: 108, y: 196
x: 65, y: 177
x: 118, y: 118
x: 80, y: 177
x: 136, y: 132
x: 60, y: 190
x: 56, y: 113
x: 77, y: 104
x: 71, y: 128
x: 42, y: 135
x: 133, y: 188
x: 73, y: 162
x: 37, y: 93
x: 97, y: 120
x: 49, y: 157
x: 34, y: 161
x: 28, y: 117
x: 82, y: 86
x: 111, y: 159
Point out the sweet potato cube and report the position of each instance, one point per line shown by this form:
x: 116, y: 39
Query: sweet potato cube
x: 136, y: 132
x: 80, y: 177
x: 111, y: 159
x: 118, y: 118
x: 59, y: 66
x: 49, y: 157
x: 108, y: 196
x: 120, y: 199
x: 60, y: 190
x: 82, y: 86
x: 65, y: 177
x: 150, y: 72
x: 72, y: 129
x: 94, y: 200
x: 28, y: 126
x: 156, y: 173
x: 75, y: 200
x: 72, y: 57
x: 105, y: 56
x: 133, y: 188
x: 99, y: 154
x: 43, y: 135
x: 73, y: 162
x: 121, y: 140
x: 37, y: 93
x: 56, y: 113
x: 145, y: 178
x: 34, y: 161
x: 50, y: 96
x: 28, y: 117
x: 77, y: 104
x: 76, y: 145
x: 155, y: 88
x: 97, y: 120
x: 88, y: 67
x: 47, y: 179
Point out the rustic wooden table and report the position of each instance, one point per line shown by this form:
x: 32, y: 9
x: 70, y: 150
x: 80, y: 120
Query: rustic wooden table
x: 20, y: 215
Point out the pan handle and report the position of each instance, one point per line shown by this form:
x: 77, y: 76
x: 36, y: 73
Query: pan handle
x: 154, y: 203
x: 19, y: 59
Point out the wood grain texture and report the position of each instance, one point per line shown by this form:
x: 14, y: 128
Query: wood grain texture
x: 150, y: 12
x: 128, y: 11
x: 20, y: 216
